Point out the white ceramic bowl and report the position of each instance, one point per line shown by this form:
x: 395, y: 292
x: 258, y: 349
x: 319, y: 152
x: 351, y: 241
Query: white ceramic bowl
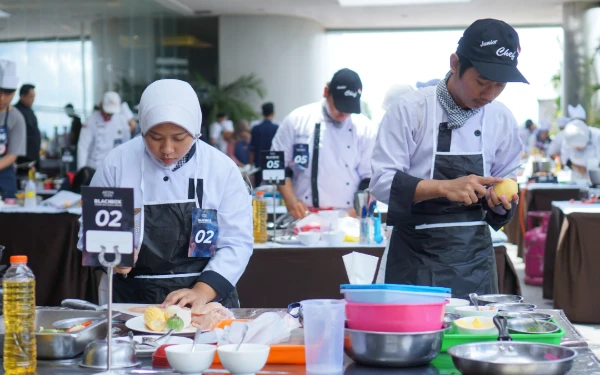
x: 184, y: 361
x: 454, y: 303
x: 248, y: 360
x: 466, y: 311
x: 334, y: 238
x: 309, y: 238
x: 488, y: 326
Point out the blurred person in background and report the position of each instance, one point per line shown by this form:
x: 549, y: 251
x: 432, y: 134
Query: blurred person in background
x: 262, y: 138
x: 581, y: 148
x: 13, y: 131
x: 220, y: 132
x: 104, y: 130
x: 34, y: 137
x: 541, y: 139
x: 239, y: 148
x: 577, y: 112
x: 75, y: 125
x: 327, y: 149
x: 526, y: 132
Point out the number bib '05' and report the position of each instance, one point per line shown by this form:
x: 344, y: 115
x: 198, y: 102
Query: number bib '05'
x: 205, y: 231
x: 301, y: 155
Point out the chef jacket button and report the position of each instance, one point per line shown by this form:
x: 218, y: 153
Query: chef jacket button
x: 347, y: 202
x: 165, y: 178
x: 306, y: 198
x: 477, y: 133
x: 347, y: 183
x: 348, y: 146
x: 346, y: 165
x: 350, y: 129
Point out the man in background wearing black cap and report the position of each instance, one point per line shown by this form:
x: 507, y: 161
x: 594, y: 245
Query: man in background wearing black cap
x: 327, y: 147
x: 433, y: 163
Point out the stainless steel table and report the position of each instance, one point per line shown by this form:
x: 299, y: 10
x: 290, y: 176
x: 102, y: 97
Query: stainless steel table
x: 585, y: 364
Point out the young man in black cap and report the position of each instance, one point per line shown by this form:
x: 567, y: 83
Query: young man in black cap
x: 438, y: 152
x: 327, y: 147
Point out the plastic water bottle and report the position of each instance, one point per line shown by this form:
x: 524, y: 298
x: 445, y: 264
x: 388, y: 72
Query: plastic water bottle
x: 30, y: 195
x: 20, y: 350
x: 259, y: 214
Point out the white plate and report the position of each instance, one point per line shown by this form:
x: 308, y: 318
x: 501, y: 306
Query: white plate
x: 287, y: 240
x: 124, y: 308
x: 137, y: 324
x: 145, y: 349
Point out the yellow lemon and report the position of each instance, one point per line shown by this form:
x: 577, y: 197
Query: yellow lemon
x: 477, y: 323
x: 508, y: 188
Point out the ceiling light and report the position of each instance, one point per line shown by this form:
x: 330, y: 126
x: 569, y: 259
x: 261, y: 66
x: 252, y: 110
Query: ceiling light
x: 366, y: 3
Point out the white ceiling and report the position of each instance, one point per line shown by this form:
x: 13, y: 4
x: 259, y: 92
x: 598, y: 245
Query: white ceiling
x: 332, y: 16
x: 63, y: 18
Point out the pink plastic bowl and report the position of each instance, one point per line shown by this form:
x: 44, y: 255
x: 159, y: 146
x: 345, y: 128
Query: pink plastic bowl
x: 395, y: 318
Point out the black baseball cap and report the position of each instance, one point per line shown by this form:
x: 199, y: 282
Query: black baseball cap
x: 346, y: 89
x: 493, y: 48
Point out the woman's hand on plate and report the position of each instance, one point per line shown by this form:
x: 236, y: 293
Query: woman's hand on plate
x: 199, y: 295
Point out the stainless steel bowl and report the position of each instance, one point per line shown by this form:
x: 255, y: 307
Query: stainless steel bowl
x: 512, y: 358
x: 513, y: 306
x: 487, y: 299
x: 450, y: 317
x: 524, y: 325
x: 384, y: 349
x: 123, y: 355
x: 356, y: 369
x: 540, y: 317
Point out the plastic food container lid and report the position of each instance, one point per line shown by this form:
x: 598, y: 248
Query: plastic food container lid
x: 397, y: 288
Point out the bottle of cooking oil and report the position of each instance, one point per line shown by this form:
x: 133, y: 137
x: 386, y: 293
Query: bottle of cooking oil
x: 259, y: 210
x: 19, y: 318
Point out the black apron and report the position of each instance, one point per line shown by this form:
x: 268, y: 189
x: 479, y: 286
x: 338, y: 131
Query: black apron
x: 8, y: 176
x: 443, y: 243
x: 164, y: 254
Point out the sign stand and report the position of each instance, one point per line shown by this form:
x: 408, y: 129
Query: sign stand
x: 274, y: 186
x: 109, y: 269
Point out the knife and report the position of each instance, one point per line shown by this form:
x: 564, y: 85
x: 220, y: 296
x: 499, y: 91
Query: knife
x: 512, y: 170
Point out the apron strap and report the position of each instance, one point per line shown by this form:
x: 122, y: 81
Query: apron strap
x: 5, y: 126
x: 444, y: 138
x: 315, y: 166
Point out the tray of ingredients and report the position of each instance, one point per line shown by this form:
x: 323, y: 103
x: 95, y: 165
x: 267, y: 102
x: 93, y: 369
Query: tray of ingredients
x: 481, y: 328
x: 63, y: 333
x: 289, y: 353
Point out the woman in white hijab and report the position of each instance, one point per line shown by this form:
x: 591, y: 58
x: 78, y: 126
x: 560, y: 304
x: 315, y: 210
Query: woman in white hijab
x: 176, y: 177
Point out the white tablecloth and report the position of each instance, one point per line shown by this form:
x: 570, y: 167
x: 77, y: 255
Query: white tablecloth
x: 569, y: 208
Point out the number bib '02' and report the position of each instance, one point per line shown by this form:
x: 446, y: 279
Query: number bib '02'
x: 301, y: 155
x: 205, y: 232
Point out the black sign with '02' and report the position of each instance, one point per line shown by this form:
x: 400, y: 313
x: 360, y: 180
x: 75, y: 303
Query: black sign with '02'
x: 273, y: 167
x: 108, y: 224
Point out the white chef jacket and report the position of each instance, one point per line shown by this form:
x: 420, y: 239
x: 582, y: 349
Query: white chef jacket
x: 557, y: 142
x: 223, y: 190
x: 407, y: 136
x: 99, y: 137
x: 591, y: 154
x: 344, y: 154
x: 216, y: 132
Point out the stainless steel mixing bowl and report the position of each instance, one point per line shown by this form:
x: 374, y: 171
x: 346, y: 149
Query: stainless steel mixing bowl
x: 486, y: 299
x: 512, y: 358
x: 524, y: 325
x: 386, y: 349
x: 513, y: 306
x: 540, y: 317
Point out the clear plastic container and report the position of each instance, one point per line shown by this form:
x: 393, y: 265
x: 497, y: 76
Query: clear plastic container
x: 324, y: 335
x: 394, y: 294
x: 30, y: 195
x: 20, y: 350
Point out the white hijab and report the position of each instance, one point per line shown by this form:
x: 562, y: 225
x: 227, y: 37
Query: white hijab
x: 174, y: 101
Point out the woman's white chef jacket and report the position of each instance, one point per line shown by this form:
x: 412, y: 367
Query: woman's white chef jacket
x: 223, y: 189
